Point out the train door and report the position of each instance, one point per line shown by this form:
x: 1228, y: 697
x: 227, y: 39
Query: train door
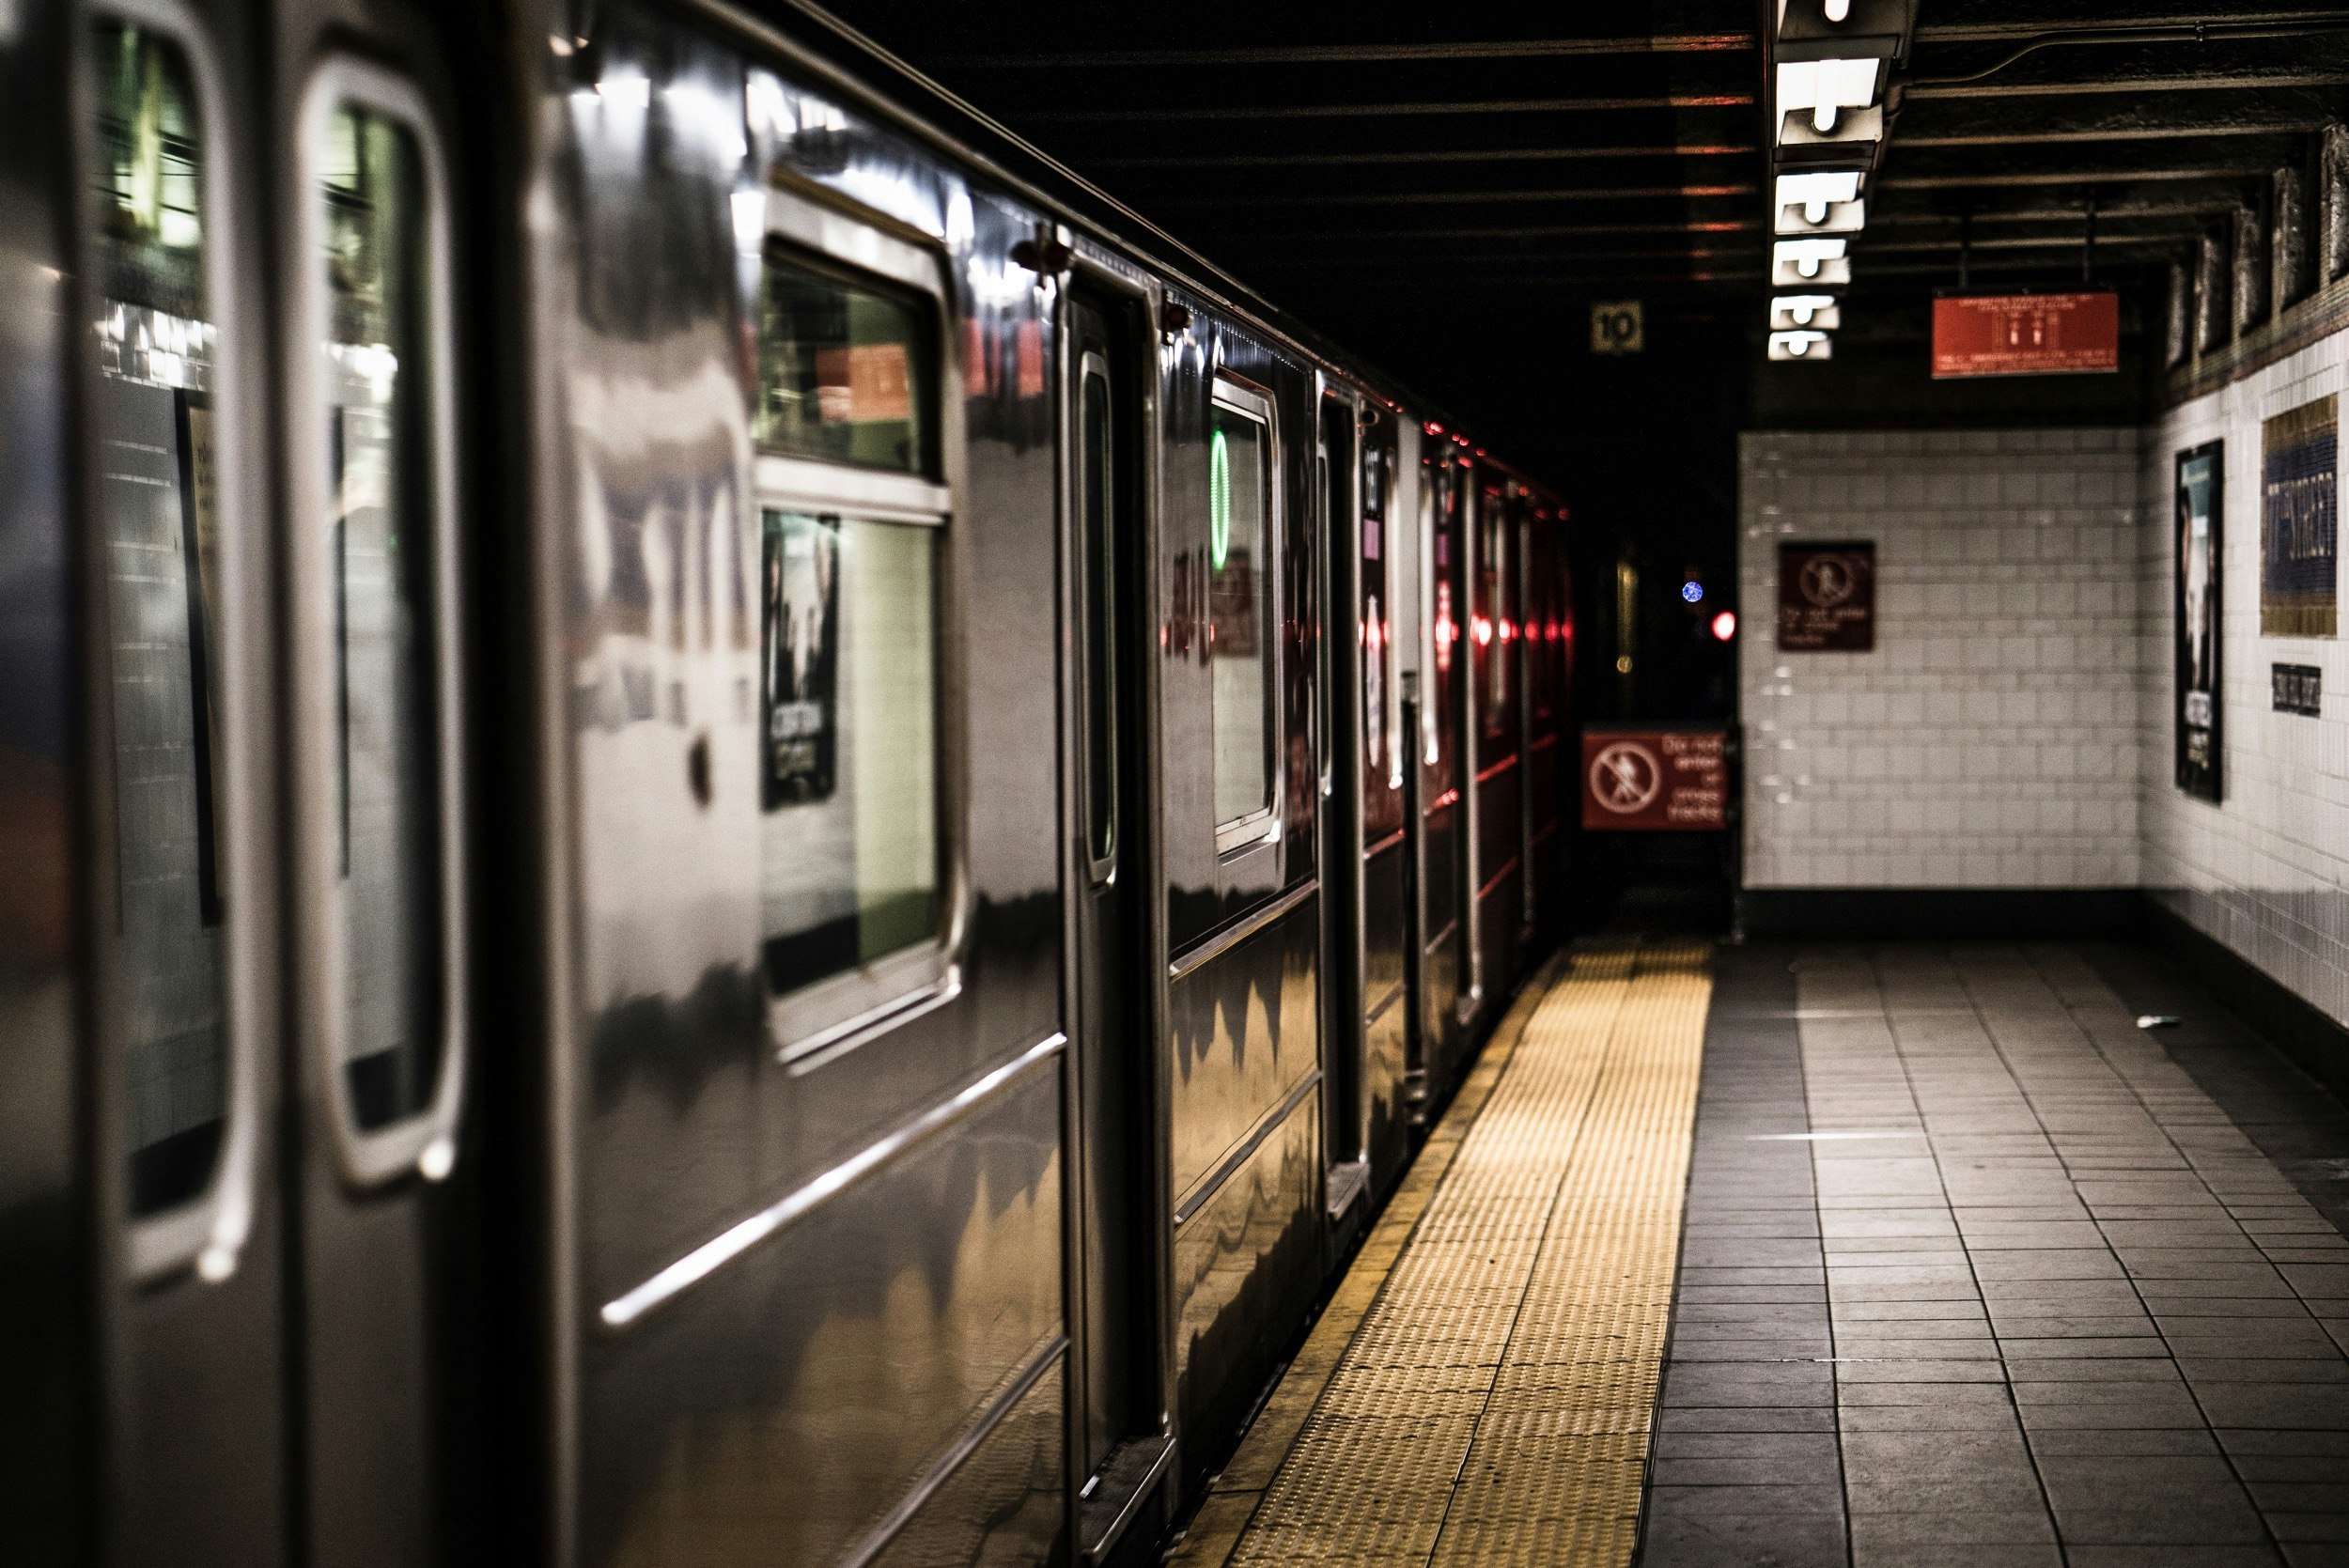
x: 1443, y: 964
x: 1494, y: 720
x: 173, y: 554
x: 1342, y: 1084
x: 372, y: 534
x: 1121, y: 1443
x: 1532, y: 713
x: 1380, y: 752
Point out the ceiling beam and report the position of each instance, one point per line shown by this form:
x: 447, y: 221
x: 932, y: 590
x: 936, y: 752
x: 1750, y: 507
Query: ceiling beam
x: 1449, y: 235
x: 1497, y: 261
x: 2233, y: 112
x: 1420, y: 155
x: 2071, y: 242
x: 1362, y: 53
x: 1374, y: 111
x: 2040, y: 179
x: 2249, y: 80
x: 1461, y: 198
x: 2022, y: 31
x: 2219, y: 157
x: 2024, y: 204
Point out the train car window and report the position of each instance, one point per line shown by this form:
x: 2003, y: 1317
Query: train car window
x: 1444, y: 490
x: 1379, y: 748
x: 1495, y: 628
x: 844, y: 371
x: 158, y: 539
x: 381, y: 563
x: 1243, y: 628
x: 1095, y: 475
x: 853, y: 857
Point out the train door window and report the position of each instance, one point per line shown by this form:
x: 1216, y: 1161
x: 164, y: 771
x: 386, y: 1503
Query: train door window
x: 378, y: 564
x: 1495, y: 628
x: 1383, y: 750
x: 160, y: 530
x: 851, y: 555
x: 1096, y: 474
x: 1244, y: 625
x: 1444, y: 628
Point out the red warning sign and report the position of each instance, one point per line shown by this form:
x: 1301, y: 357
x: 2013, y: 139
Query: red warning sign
x: 1652, y: 781
x: 2026, y: 334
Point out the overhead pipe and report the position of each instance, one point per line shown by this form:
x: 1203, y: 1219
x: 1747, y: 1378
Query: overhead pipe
x: 2191, y: 32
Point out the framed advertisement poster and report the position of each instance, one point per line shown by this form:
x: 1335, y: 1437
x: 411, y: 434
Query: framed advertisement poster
x: 2299, y: 525
x: 2195, y: 601
x: 800, y: 659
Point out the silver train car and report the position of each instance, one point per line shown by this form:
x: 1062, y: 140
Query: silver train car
x: 733, y: 830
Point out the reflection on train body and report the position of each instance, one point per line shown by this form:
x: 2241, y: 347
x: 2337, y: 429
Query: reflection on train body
x: 781, y: 841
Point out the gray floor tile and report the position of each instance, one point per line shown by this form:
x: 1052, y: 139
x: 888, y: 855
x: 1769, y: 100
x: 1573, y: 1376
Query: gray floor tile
x: 1824, y: 1500
x: 2204, y: 1555
x: 2328, y: 1528
x: 2274, y: 1405
x: 1777, y: 1469
x: 1873, y: 1535
x: 1938, y: 1416
x: 1997, y: 1490
x: 1745, y: 1445
x: 2093, y: 1369
x: 1720, y: 1538
x: 2116, y: 1442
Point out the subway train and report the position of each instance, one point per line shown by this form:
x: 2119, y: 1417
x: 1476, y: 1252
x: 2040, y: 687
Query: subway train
x: 734, y: 831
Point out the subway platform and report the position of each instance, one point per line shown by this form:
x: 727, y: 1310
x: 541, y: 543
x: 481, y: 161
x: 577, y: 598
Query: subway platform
x: 1906, y: 1254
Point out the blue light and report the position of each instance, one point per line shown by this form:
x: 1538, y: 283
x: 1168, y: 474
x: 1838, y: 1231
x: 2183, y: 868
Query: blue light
x: 1692, y: 592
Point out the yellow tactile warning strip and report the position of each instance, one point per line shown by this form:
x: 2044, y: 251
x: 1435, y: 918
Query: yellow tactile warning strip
x: 1482, y: 1387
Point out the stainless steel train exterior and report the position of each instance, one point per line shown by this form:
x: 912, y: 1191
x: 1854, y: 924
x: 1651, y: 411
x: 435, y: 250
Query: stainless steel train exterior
x: 735, y: 832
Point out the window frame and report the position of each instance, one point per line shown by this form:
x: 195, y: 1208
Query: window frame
x: 209, y: 1229
x: 1367, y: 445
x: 424, y: 1140
x: 1261, y: 826
x: 1100, y: 857
x: 817, y: 1023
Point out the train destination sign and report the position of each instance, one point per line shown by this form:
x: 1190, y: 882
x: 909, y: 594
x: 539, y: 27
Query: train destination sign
x: 1655, y: 780
x: 2026, y: 334
x: 1826, y: 598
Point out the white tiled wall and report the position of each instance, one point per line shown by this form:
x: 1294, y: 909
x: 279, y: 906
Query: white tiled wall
x: 1992, y: 738
x: 2265, y: 871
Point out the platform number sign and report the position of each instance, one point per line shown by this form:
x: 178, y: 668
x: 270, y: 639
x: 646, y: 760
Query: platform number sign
x: 1618, y: 328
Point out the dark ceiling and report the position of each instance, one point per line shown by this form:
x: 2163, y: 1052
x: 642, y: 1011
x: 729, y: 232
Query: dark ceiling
x: 1447, y: 188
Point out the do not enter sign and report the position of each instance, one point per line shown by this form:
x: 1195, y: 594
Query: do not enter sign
x: 1656, y: 780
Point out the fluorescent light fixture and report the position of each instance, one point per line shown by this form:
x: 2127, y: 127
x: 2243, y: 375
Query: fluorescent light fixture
x: 1807, y: 256
x: 1802, y: 344
x: 1824, y: 89
x: 1845, y: 217
x: 1853, y: 139
x: 1815, y: 192
x: 1797, y: 311
x: 1831, y: 273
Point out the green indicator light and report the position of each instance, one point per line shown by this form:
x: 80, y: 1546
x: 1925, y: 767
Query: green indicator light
x: 1218, y: 500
